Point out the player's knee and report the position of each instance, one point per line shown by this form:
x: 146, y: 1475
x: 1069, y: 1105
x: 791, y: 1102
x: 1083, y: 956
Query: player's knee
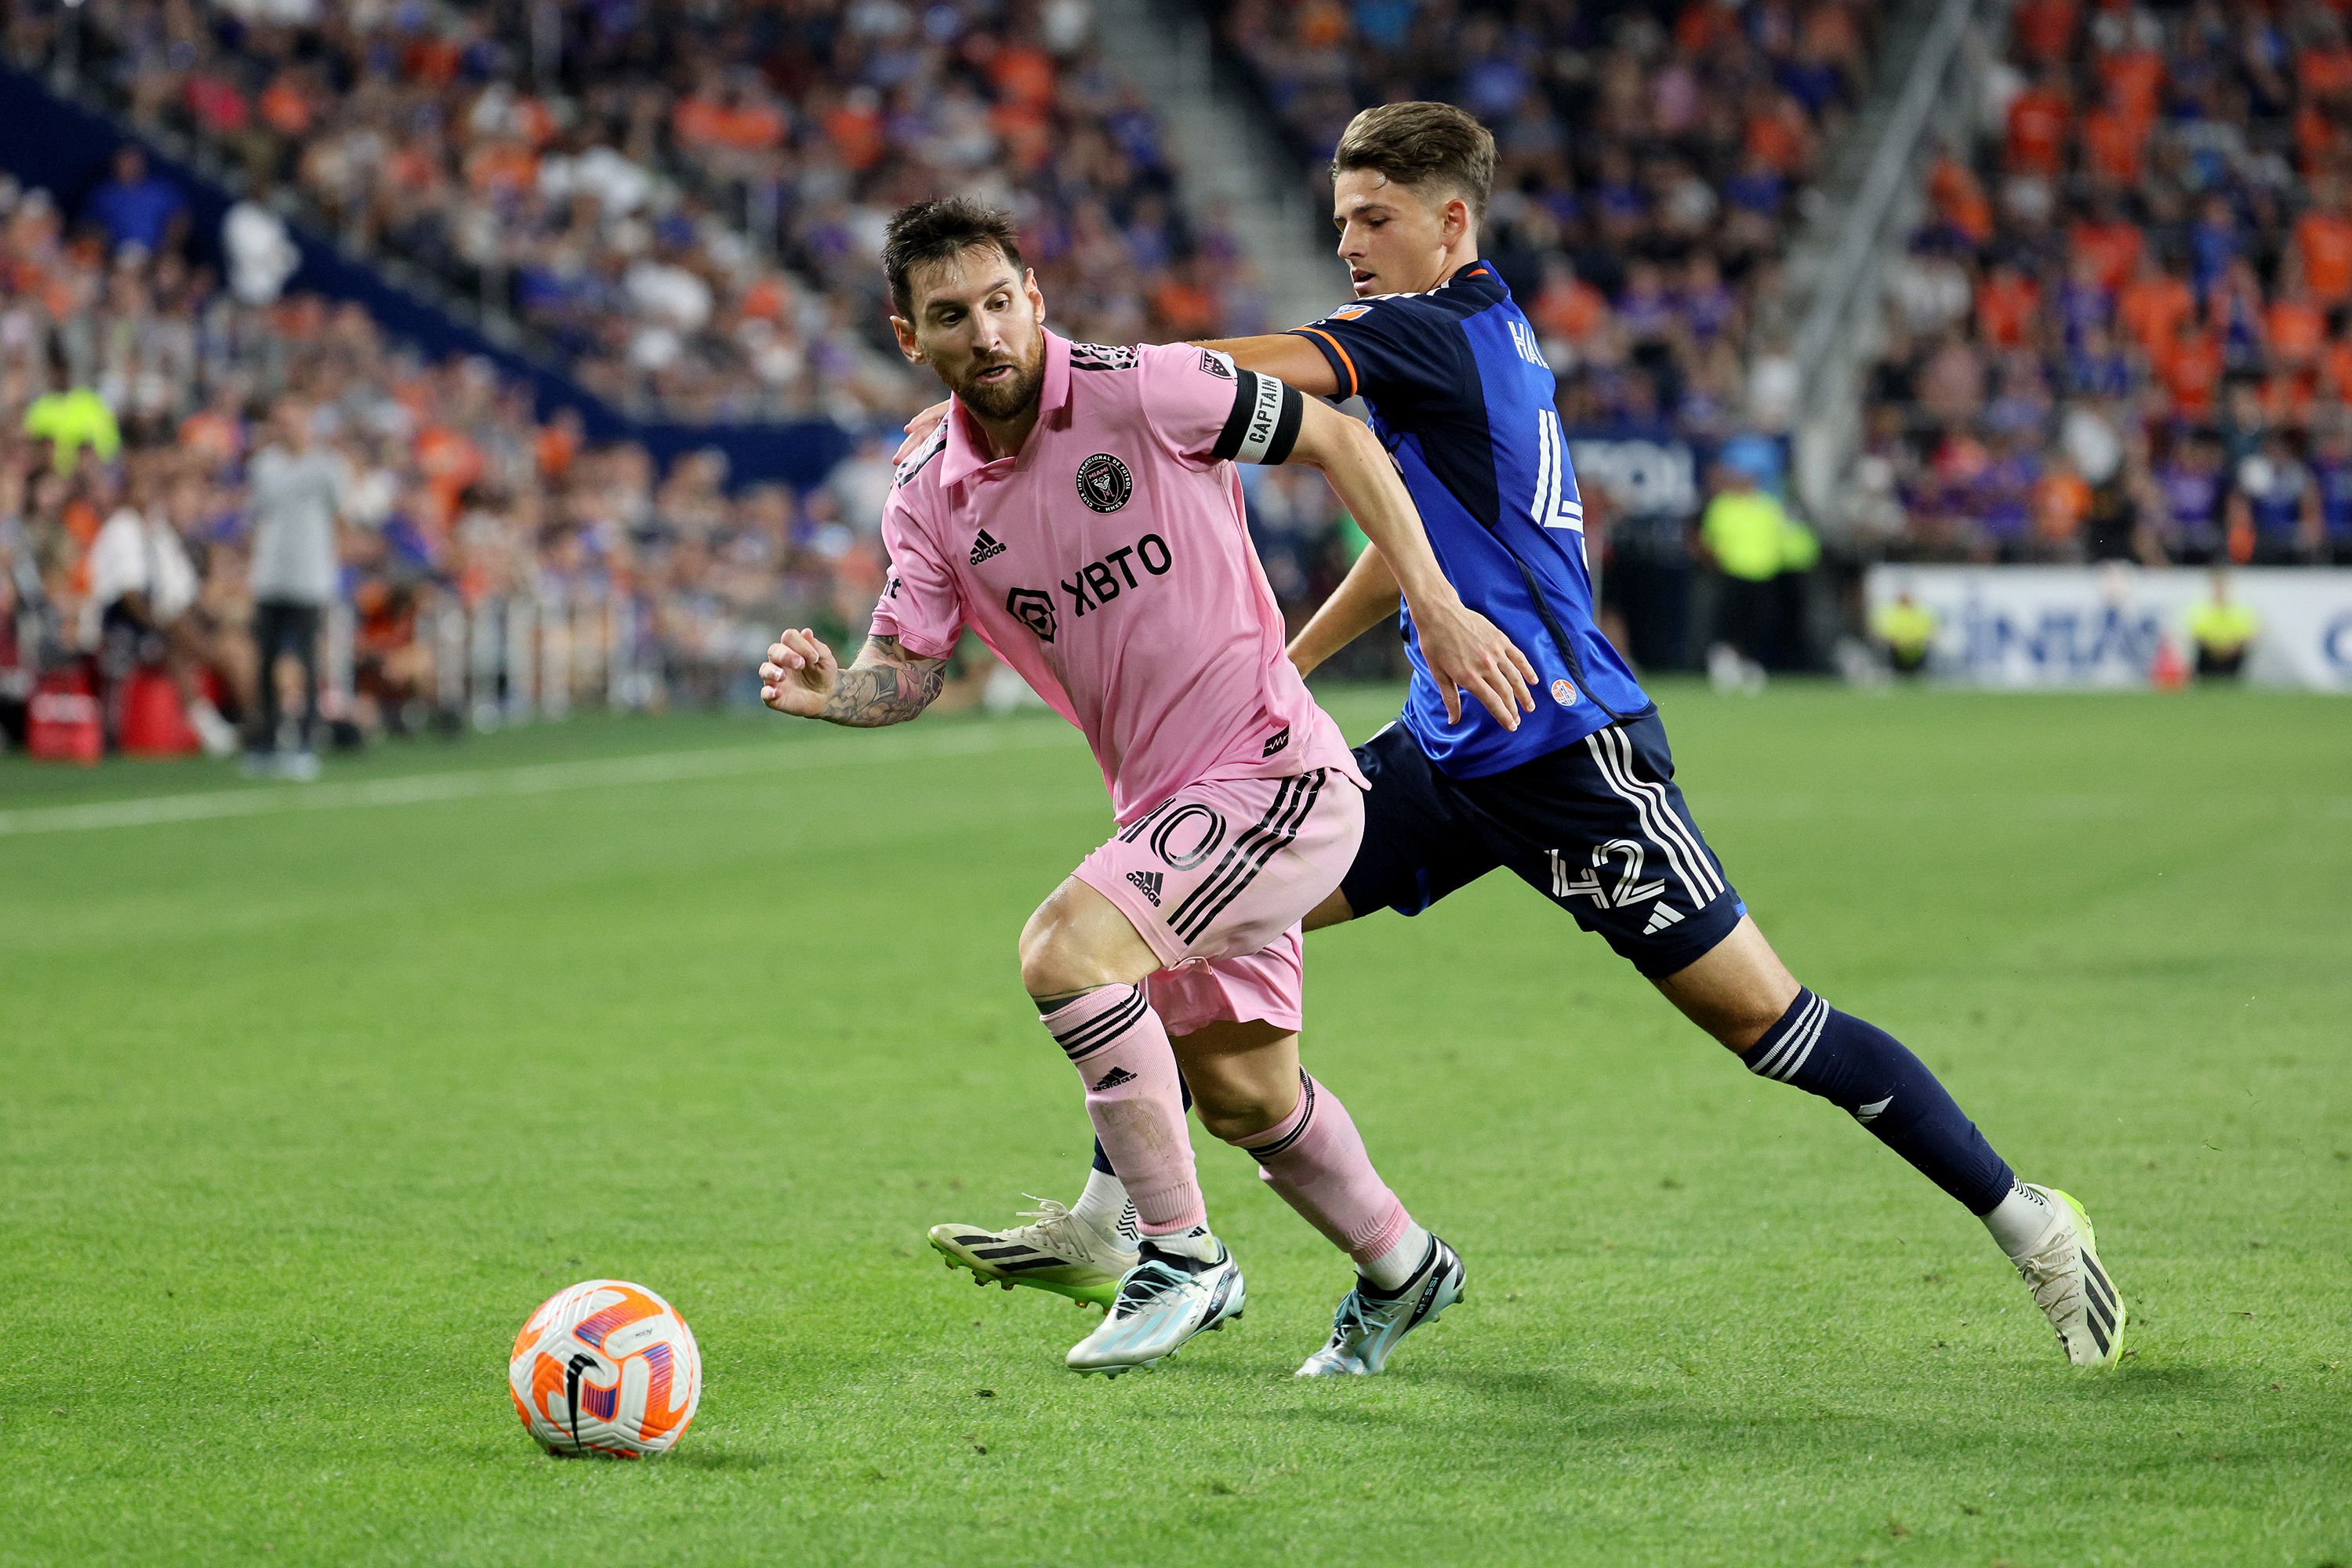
x: 1234, y: 1111
x: 1054, y: 958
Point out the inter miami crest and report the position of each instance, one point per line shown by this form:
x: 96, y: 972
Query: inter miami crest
x: 1104, y: 482
x: 1035, y: 609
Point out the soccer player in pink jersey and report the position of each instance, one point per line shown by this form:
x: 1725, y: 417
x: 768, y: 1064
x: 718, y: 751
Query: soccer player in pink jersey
x: 1078, y: 510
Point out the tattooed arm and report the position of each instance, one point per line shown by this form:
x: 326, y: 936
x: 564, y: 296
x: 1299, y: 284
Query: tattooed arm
x: 887, y: 685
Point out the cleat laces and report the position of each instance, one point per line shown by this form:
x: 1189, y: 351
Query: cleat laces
x: 1055, y: 1227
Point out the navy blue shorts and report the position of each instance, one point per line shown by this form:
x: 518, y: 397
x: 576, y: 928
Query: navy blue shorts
x: 1597, y: 828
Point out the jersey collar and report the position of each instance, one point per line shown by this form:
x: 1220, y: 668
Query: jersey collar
x: 965, y: 457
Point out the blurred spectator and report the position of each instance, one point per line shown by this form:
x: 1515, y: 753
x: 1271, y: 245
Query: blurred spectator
x: 299, y: 493
x: 138, y: 208
x: 261, y: 252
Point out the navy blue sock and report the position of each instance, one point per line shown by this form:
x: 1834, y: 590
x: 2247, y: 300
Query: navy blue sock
x: 1102, y: 1161
x: 1866, y: 1073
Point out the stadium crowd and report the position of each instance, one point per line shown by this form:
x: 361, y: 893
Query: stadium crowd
x: 1647, y: 244
x: 138, y: 398
x: 684, y: 201
x: 2125, y: 330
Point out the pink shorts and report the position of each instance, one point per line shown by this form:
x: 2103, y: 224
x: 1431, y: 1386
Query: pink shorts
x: 1217, y: 878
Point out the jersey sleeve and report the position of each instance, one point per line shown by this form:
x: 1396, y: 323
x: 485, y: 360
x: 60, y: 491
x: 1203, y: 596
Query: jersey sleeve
x: 1393, y: 351
x: 1206, y: 409
x: 920, y: 604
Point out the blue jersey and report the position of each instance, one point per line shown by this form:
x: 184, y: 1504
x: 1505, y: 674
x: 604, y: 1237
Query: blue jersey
x: 1462, y: 398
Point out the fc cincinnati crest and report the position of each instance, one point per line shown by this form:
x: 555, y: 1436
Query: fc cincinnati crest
x: 1104, y: 482
x: 1563, y: 693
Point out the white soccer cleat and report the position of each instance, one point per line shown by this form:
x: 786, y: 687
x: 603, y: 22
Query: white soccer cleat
x: 1366, y: 1328
x: 1164, y: 1300
x: 1057, y: 1251
x: 2071, y: 1288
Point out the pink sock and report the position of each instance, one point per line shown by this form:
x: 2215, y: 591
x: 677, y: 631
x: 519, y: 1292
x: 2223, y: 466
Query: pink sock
x: 1315, y: 1158
x: 1120, y: 1049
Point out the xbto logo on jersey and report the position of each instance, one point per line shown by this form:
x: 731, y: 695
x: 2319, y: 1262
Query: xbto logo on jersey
x: 1104, y: 483
x: 1096, y: 583
x: 1034, y: 608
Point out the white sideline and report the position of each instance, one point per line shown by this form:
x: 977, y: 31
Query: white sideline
x: 536, y: 778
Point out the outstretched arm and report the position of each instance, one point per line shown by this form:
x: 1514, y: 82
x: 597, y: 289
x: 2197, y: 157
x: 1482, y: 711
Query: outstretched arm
x: 1285, y: 356
x: 887, y: 685
x: 1364, y: 598
x: 1464, y: 650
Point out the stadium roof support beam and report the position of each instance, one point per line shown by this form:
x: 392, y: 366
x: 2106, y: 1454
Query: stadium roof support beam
x: 1845, y: 263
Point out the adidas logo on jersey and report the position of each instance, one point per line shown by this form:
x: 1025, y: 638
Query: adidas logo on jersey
x: 1663, y: 916
x: 1113, y: 1079
x: 1147, y: 884
x: 985, y: 548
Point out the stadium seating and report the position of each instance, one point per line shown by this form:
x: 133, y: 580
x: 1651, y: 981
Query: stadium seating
x: 470, y: 511
x: 2122, y: 331
x: 1652, y: 162
x: 684, y: 202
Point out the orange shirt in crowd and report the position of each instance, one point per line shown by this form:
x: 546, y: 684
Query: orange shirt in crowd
x: 2336, y: 368
x: 2061, y: 499
x: 451, y: 463
x: 2046, y: 27
x: 2037, y: 130
x: 213, y: 436
x: 2324, y: 73
x: 284, y: 108
x: 2295, y: 329
x: 694, y: 121
x: 2152, y: 309
x: 1959, y: 197
x: 2134, y: 81
x: 1780, y: 136
x: 1023, y: 74
x: 1572, y: 309
x: 2115, y: 143
x: 2190, y: 367
x: 2005, y: 305
x: 2323, y: 241
x: 2112, y: 247
x: 856, y: 130
x: 553, y: 448
x: 1187, y: 310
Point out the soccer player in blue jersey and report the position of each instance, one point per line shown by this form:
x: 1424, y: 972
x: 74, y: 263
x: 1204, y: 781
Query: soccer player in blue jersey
x: 1579, y: 800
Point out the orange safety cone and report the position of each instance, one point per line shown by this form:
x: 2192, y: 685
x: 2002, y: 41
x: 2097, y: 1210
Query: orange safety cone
x: 2167, y: 672
x: 154, y: 723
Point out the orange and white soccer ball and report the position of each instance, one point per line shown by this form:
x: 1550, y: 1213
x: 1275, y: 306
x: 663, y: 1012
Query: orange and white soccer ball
x: 605, y: 1367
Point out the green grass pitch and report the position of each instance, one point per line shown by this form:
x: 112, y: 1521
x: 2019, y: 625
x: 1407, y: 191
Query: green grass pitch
x: 311, y: 1097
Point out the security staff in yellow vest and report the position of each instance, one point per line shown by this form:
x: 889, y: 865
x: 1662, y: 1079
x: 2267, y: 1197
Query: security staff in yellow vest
x: 1905, y: 629
x: 1744, y: 536
x: 2222, y: 630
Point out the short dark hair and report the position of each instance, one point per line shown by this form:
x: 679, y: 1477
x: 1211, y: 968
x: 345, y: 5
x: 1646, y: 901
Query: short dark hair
x: 1423, y: 143
x: 937, y: 230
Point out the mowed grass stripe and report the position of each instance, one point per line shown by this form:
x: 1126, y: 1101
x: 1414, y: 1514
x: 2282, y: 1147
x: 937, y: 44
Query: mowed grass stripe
x: 538, y: 778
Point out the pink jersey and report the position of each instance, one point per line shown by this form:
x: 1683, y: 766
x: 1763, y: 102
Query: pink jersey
x: 1109, y: 563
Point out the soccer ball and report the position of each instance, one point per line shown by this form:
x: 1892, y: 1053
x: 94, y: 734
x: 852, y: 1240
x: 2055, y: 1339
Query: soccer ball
x: 605, y: 1367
